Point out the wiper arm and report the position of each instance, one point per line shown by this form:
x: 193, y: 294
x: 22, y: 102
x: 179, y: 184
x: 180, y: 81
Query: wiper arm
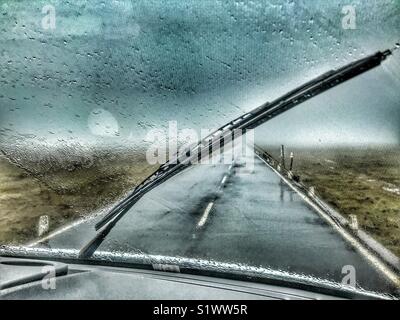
x: 215, y: 141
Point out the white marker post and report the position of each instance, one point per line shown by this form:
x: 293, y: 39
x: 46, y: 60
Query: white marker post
x: 283, y: 156
x: 353, y: 222
x: 291, y: 161
x: 43, y: 225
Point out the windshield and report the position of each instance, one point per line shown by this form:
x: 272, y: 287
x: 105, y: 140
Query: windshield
x: 109, y: 118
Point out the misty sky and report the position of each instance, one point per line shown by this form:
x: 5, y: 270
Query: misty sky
x: 111, y: 71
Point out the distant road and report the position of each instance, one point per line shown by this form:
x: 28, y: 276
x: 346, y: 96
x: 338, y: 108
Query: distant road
x: 255, y: 218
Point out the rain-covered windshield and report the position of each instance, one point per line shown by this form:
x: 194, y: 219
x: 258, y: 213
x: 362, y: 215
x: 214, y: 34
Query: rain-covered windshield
x: 96, y: 95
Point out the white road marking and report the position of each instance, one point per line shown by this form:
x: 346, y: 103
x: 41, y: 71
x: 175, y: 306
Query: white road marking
x: 206, y: 213
x: 204, y: 218
x: 224, y: 180
x: 80, y: 221
x: 347, y: 236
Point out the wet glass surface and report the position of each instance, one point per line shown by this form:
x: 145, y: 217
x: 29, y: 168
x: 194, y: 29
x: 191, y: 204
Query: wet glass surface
x: 85, y: 86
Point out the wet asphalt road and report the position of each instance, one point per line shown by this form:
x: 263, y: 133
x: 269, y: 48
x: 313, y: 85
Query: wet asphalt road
x: 253, y: 217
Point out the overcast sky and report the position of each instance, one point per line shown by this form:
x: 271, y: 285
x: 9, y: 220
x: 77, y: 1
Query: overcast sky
x: 111, y: 71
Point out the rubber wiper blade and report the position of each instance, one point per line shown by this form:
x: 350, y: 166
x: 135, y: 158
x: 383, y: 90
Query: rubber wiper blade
x: 215, y: 141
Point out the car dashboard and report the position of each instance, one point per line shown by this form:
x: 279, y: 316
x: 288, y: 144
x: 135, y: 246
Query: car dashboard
x: 37, y: 279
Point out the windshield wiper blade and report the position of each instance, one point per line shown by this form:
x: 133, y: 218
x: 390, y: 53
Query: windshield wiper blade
x: 215, y: 141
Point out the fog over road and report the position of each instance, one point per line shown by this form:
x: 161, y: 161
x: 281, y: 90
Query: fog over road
x: 232, y: 214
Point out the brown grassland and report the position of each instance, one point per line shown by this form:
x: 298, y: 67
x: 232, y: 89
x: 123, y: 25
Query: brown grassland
x: 62, y: 195
x: 360, y: 181
x: 364, y: 182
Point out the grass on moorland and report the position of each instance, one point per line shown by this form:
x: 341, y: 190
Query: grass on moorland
x: 360, y: 181
x: 62, y: 195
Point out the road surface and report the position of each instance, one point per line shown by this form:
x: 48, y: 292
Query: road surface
x: 232, y: 214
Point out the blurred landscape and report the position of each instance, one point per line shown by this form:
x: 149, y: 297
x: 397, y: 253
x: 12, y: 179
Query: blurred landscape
x: 63, y: 194
x: 361, y: 181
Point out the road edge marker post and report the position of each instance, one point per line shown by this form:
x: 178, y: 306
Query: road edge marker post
x: 283, y: 156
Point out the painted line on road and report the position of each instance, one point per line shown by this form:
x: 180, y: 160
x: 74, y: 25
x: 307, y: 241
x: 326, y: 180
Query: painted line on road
x: 206, y: 213
x: 380, y: 266
x: 224, y: 180
x: 83, y: 220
